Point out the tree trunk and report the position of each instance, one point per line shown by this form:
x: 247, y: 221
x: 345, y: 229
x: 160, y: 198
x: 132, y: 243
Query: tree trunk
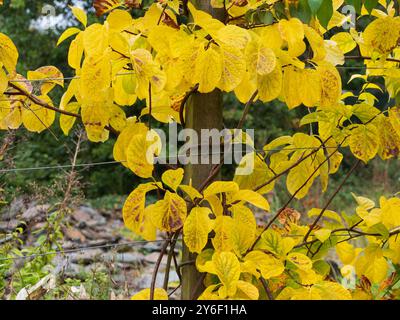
x: 203, y: 111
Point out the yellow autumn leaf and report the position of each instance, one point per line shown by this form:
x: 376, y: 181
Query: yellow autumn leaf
x: 216, y: 205
x: 246, y: 88
x: 322, y: 234
x: 382, y: 34
x: 308, y: 277
x: 95, y: 39
x: 67, y: 122
x: 233, y: 68
x: 173, y: 178
x: 309, y: 87
x: 372, y: 264
x: 252, y: 197
x: 203, y: 260
x: 210, y: 293
x: 67, y: 34
x: 117, y: 117
x: 191, y: 192
x: 233, y: 36
x: 291, y: 80
x: 300, y: 260
x: 124, y: 87
x: 75, y: 52
x: 3, y: 80
x: 37, y: 118
x: 80, y: 15
x: 96, y: 76
x: 267, y: 265
x: 224, y: 228
x: 121, y: 145
x: 389, y: 140
x: 208, y: 69
x: 140, y: 153
x: 394, y: 117
x: 324, y: 290
x: 327, y: 214
x: 346, y: 252
x: 331, y: 84
x: 119, y: 20
x: 390, y: 212
x: 293, y: 32
x: 244, y: 228
x: 11, y: 114
x: 331, y: 291
x: 95, y: 117
x: 205, y: 21
x: 300, y: 179
x: 246, y: 291
x: 147, y: 230
x: 270, y: 85
x: 344, y: 41
x: 364, y: 142
x: 272, y: 241
x: 170, y: 213
x: 316, y: 42
x: 52, y: 75
x: 394, y: 245
x: 227, y: 267
x: 270, y: 34
x: 159, y: 294
x: 220, y: 187
x: 133, y: 209
x: 364, y: 202
x: 196, y: 229
x: 8, y: 53
x: 260, y: 59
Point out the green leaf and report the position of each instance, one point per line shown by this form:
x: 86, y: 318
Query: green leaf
x: 314, y: 5
x: 380, y: 229
x: 302, y: 11
x: 370, y: 4
x: 325, y: 13
x: 265, y: 17
x: 322, y: 267
x: 357, y: 4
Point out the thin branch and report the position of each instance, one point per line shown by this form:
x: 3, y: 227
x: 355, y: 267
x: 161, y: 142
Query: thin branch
x: 169, y: 261
x: 331, y: 199
x: 246, y: 110
x: 197, y: 286
x: 44, y: 104
x: 293, y: 196
x: 288, y: 169
x: 40, y: 102
x: 183, y: 103
x: 157, y: 266
x: 267, y: 289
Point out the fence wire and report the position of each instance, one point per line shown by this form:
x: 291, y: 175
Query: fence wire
x: 81, y: 249
x: 94, y: 164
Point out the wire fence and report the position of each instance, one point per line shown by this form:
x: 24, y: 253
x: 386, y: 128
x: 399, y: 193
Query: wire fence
x: 80, y: 249
x: 124, y: 244
x: 163, y: 159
